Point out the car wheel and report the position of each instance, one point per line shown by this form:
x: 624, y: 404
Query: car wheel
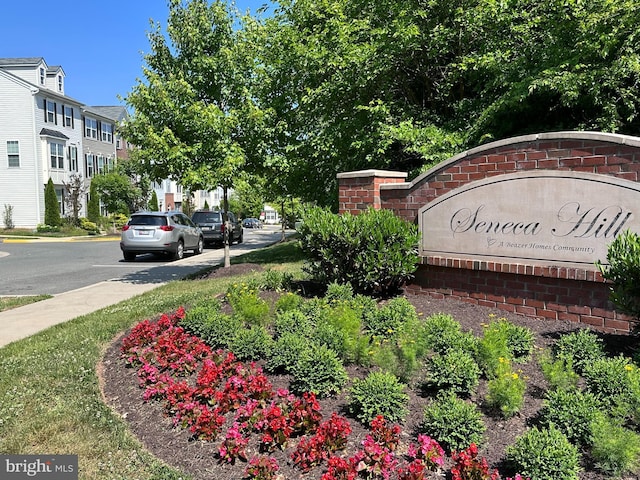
x: 128, y: 256
x: 179, y: 255
x: 241, y: 239
x: 199, y: 249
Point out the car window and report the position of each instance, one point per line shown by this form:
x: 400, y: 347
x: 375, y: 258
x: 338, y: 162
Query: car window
x: 152, y: 220
x: 207, y: 217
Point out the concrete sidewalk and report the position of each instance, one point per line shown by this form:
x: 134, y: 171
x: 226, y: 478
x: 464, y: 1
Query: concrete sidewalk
x: 19, y: 323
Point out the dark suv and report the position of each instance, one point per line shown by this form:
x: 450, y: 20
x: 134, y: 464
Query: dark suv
x: 212, y: 225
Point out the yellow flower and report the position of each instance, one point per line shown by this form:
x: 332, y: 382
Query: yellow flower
x: 492, y: 315
x: 514, y: 376
x: 628, y: 368
x: 501, y: 360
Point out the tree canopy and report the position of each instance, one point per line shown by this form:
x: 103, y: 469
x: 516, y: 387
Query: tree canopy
x: 324, y: 86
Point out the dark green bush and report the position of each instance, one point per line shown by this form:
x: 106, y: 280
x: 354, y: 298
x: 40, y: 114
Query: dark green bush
x: 380, y: 393
x: 292, y: 321
x: 375, y: 252
x: 286, y: 351
x: 318, y: 370
x: 611, y: 378
x: 216, y: 328
x: 520, y: 340
x: 623, y: 271
x: 276, y: 280
x: 572, y: 412
x: 544, y: 454
x: 338, y: 292
x: 253, y: 343
x: 388, y: 320
x: 442, y: 333
x: 453, y: 422
x: 580, y: 347
x: 455, y: 370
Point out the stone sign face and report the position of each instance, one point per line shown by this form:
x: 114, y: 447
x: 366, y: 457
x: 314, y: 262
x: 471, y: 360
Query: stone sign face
x: 536, y: 217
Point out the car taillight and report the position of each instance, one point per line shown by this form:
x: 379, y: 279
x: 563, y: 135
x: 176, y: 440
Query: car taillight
x: 126, y: 227
x: 222, y: 227
x: 166, y: 228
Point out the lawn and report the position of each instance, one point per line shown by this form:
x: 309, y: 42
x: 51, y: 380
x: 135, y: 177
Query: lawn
x: 50, y: 400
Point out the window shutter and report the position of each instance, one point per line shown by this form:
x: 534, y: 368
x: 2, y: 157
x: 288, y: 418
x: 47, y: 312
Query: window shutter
x: 45, y: 110
x: 84, y: 126
x: 73, y: 119
x: 55, y: 113
x: 99, y: 130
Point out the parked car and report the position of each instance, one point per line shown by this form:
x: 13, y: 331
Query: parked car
x: 168, y: 233
x: 212, y: 225
x: 251, y: 223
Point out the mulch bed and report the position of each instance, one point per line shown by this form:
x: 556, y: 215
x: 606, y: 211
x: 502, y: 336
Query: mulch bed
x: 149, y: 424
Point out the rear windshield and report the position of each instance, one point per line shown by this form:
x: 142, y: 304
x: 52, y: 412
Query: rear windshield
x: 148, y: 220
x: 207, y: 217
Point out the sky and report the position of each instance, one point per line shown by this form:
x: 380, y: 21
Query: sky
x: 99, y: 45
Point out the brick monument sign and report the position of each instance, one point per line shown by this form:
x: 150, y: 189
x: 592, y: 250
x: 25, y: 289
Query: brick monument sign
x: 518, y: 224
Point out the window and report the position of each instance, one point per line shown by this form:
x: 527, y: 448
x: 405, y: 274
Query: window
x: 50, y: 112
x: 89, y: 165
x: 73, y: 158
x: 60, y: 83
x: 57, y: 155
x: 91, y: 128
x: 42, y: 76
x: 118, y: 143
x: 60, y: 196
x: 110, y: 164
x: 13, y: 153
x: 68, y: 117
x: 107, y: 132
x: 100, y: 164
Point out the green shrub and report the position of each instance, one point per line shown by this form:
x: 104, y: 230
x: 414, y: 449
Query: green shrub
x: 288, y: 301
x: 380, y: 393
x: 455, y: 370
x: 318, y: 370
x: 453, y: 422
x: 347, y: 322
x: 506, y: 390
x: 611, y: 378
x: 623, y: 271
x: 286, y: 351
x: 253, y: 343
x: 558, y: 372
x: 580, y: 347
x: 292, y: 321
x: 215, y: 328
x: 615, y: 449
x: 493, y: 347
x: 375, y: 251
x: 441, y: 333
x: 572, y: 412
x: 520, y: 340
x: 90, y: 227
x: 247, y: 305
x: 389, y: 319
x: 276, y: 280
x: 338, y: 292
x: 544, y: 454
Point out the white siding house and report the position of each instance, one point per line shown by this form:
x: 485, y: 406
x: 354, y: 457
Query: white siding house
x: 42, y: 136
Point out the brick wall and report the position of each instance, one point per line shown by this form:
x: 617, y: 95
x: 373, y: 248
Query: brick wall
x: 571, y: 294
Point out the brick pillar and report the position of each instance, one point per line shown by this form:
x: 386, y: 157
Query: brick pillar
x: 360, y: 190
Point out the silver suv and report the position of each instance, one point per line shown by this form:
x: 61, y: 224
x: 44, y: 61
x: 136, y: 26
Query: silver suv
x: 168, y: 233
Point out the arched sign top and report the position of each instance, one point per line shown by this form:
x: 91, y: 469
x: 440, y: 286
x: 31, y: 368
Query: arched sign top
x: 538, y: 217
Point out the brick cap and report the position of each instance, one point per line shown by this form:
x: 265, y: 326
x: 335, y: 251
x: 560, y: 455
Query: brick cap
x: 372, y: 173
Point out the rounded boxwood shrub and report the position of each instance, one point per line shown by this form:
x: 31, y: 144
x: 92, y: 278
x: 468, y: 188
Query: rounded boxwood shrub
x: 611, y: 378
x: 453, y: 422
x: 251, y: 343
x: 441, y: 333
x: 214, y: 327
x: 380, y: 393
x: 318, y: 370
x: 286, y: 351
x: 292, y: 321
x: 455, y: 370
x: 572, y: 412
x: 544, y: 454
x: 390, y: 318
x: 580, y: 348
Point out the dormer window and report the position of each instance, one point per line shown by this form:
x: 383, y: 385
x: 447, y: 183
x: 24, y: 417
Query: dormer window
x: 60, y: 83
x: 43, y: 76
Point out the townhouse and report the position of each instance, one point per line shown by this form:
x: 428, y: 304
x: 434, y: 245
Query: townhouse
x: 46, y: 134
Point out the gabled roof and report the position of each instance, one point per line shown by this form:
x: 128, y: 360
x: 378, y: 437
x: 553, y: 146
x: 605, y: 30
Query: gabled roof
x: 114, y: 112
x: 53, y: 133
x: 4, y: 62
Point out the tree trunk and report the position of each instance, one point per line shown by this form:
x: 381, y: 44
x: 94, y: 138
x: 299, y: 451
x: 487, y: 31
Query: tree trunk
x: 225, y: 219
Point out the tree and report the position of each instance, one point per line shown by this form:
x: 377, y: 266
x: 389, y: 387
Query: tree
x: 93, y: 207
x: 153, y: 203
x: 194, y: 117
x: 75, y: 191
x: 51, y: 206
x: 116, y: 191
